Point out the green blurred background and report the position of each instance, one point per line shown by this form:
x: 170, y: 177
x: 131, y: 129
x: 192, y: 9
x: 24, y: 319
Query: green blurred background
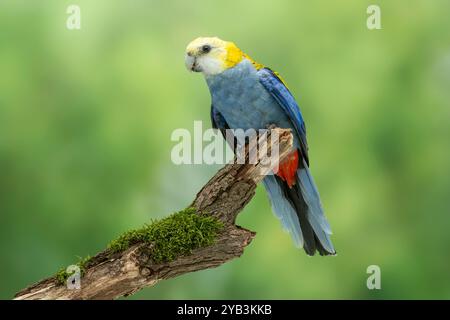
x: 86, y: 117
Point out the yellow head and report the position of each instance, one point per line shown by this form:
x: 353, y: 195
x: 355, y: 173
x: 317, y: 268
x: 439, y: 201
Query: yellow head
x: 212, y: 55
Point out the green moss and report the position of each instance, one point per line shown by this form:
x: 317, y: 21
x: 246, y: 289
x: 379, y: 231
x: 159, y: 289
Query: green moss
x: 176, y: 235
x: 62, y: 275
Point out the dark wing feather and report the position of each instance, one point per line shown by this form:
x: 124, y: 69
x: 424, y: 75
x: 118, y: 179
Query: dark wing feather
x: 219, y: 122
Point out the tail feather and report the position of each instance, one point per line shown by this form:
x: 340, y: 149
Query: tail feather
x: 300, y: 211
x: 315, y: 214
x: 311, y: 196
x: 292, y: 195
x: 283, y: 210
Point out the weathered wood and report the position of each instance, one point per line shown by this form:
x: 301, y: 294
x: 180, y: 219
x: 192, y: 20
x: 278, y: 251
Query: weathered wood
x: 109, y: 276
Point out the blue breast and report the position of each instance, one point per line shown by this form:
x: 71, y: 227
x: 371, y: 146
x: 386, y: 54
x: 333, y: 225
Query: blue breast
x: 243, y: 101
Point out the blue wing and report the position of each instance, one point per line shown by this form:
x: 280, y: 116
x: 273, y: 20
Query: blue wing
x: 273, y: 84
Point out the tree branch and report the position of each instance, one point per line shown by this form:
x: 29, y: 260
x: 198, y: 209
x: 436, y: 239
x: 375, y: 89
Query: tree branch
x: 112, y: 275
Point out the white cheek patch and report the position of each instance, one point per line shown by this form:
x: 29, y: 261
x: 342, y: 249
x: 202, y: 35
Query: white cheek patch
x: 210, y: 66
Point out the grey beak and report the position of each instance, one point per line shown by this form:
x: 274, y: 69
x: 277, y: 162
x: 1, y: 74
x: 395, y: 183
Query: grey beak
x: 191, y: 64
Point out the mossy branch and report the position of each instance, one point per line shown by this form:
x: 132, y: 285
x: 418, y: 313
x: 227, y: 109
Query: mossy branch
x: 200, y: 237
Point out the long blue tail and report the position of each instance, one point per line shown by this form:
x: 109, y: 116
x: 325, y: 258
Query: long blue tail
x: 301, y: 212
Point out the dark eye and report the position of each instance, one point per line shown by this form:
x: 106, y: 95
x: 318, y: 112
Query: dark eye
x: 206, y: 48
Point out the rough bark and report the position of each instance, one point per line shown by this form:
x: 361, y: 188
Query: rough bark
x: 109, y: 276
